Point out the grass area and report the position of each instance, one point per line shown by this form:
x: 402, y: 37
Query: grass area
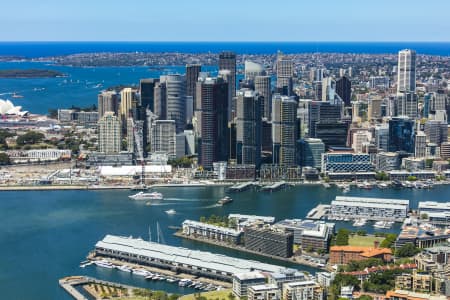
x: 363, y: 241
x: 221, y: 295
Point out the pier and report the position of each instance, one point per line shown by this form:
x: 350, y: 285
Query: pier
x: 274, y: 187
x: 318, y: 212
x: 240, y: 187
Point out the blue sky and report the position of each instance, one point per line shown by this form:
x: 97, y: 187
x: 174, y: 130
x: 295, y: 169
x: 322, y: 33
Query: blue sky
x: 224, y: 20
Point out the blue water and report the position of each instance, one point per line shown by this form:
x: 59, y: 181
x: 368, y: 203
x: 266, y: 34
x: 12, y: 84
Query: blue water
x: 40, y: 49
x: 45, y: 235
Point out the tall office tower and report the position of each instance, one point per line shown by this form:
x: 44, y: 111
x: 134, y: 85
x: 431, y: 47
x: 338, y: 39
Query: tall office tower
x: 263, y: 87
x: 227, y: 61
x: 163, y: 137
x: 420, y: 144
x: 401, y: 135
x: 266, y: 136
x: 344, y: 90
x: 317, y: 85
x: 285, y: 72
x: 374, y: 109
x: 312, y: 74
x: 284, y: 130
x: 107, y: 101
x: 109, y: 133
x: 406, y: 76
x: 160, y: 98
x: 328, y: 89
x: 248, y: 126
x: 311, y: 152
x: 382, y: 137
x: 322, y: 112
x: 147, y: 89
x: 436, y: 131
x: 438, y: 101
x: 407, y: 105
x: 427, y: 99
x: 127, y: 103
x: 211, y: 111
x: 192, y: 72
x: 227, y: 76
x: 175, y: 99
x: 253, y: 69
x: 130, y: 135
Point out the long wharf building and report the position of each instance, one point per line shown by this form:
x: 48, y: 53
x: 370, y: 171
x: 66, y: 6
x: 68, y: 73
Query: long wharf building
x: 178, y: 259
x: 370, y: 208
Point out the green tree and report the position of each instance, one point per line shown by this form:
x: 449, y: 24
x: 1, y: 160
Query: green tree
x: 381, y: 176
x: 424, y: 216
x: 342, y: 237
x: 389, y: 241
x: 365, y: 297
x: 411, y: 178
x: 4, y: 159
x: 407, y: 250
x: 30, y: 138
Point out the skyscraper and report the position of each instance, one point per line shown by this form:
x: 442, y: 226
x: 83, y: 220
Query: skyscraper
x: 175, y: 99
x: 285, y: 72
x: 263, y: 87
x: 248, y: 125
x: 107, y: 101
x: 227, y: 61
x: 406, y: 71
x: 192, y: 72
x: 163, y: 137
x: 109, y: 134
x: 420, y: 144
x: 211, y: 111
x: 284, y: 130
x: 401, y: 135
x: 127, y: 103
x: 147, y: 90
x: 344, y: 90
x: 311, y: 152
x: 160, y: 104
x: 407, y: 104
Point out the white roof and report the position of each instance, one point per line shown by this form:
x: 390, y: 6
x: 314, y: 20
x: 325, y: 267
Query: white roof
x: 133, y: 170
x: 172, y: 254
x: 441, y: 206
x: 263, y: 287
x: 360, y: 200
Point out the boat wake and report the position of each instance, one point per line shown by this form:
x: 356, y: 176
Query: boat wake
x: 180, y: 199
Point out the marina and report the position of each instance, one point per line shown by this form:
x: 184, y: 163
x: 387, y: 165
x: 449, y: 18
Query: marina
x: 274, y: 187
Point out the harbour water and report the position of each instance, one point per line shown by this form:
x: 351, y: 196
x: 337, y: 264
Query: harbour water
x: 45, y: 235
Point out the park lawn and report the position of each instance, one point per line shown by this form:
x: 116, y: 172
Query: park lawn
x: 363, y: 240
x: 221, y: 295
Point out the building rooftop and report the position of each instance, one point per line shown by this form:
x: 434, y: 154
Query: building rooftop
x: 439, y: 206
x: 364, y: 251
x: 413, y: 296
x: 263, y: 287
x: 250, y: 275
x: 422, y: 231
x: 372, y: 200
x: 210, y: 227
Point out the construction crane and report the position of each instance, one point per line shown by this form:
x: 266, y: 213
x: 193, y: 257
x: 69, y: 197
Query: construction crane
x: 139, y: 150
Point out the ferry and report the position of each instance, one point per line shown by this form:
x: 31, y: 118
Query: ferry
x: 224, y: 200
x: 147, y: 196
x: 171, y: 211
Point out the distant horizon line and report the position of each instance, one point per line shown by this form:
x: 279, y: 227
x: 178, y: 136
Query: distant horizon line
x: 228, y: 41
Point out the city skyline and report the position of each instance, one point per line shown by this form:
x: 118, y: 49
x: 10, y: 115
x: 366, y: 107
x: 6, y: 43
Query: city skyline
x: 202, y: 21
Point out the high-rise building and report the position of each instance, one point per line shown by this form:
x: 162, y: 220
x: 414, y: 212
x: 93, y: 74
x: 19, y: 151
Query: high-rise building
x: 382, y: 137
x: 175, y: 99
x: 323, y: 112
x: 226, y: 76
x: 406, y: 72
x: 284, y: 130
x: 438, y: 101
x: 407, y: 104
x: 263, y: 87
x: 374, y: 109
x: 436, y: 131
x: 248, y: 126
x: 147, y: 90
x: 164, y: 137
x: 360, y: 138
x: 253, y: 69
x: 344, y: 90
x: 227, y: 61
x: 192, y: 72
x: 401, y: 135
x: 420, y: 144
x: 160, y: 104
x: 107, y: 101
x: 311, y: 152
x: 109, y: 134
x: 328, y: 89
x: 211, y: 111
x: 127, y: 103
x: 285, y: 73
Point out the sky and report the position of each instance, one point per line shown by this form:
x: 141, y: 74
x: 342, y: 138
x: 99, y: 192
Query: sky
x: 226, y: 20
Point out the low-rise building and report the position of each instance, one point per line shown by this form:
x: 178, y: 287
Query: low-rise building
x: 346, y: 163
x: 387, y: 161
x: 422, y: 235
x: 407, y: 295
x: 243, y: 221
x: 325, y: 278
x: 344, y: 254
x: 241, y: 282
x: 287, y: 275
x: 416, y: 282
x: 264, y: 292
x: 38, y: 155
x: 212, y: 232
x: 269, y: 240
x: 302, y: 290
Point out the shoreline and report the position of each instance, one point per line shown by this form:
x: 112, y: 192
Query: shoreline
x: 296, y: 261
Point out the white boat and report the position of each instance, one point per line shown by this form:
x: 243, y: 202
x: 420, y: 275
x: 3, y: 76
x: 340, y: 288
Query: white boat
x: 360, y: 223
x: 171, y: 211
x: 124, y: 269
x: 147, y: 196
x: 141, y: 272
x: 382, y: 225
x: 104, y: 264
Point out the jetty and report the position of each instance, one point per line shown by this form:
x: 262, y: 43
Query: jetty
x: 240, y: 187
x: 274, y: 187
x: 318, y: 212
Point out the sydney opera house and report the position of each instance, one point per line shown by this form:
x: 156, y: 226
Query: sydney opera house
x: 8, y: 108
